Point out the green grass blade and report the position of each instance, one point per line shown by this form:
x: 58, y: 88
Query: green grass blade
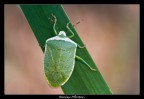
x: 83, y: 80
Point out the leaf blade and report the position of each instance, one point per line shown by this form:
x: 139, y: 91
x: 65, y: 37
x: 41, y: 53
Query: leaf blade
x: 80, y: 82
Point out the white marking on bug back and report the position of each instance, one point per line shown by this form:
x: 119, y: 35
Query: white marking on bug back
x: 62, y: 33
x: 61, y: 38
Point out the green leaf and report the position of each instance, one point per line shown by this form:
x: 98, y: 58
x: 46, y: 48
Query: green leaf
x: 83, y: 80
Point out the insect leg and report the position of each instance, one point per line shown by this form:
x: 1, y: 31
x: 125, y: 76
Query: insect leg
x: 79, y: 58
x: 72, y: 34
x: 70, y: 30
x: 55, y: 20
x: 80, y: 46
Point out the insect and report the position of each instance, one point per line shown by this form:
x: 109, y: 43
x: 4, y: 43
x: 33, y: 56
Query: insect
x: 59, y: 57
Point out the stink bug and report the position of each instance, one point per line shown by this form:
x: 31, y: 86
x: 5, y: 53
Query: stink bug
x: 59, y: 59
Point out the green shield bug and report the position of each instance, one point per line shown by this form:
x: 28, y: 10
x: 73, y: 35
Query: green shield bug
x: 59, y: 57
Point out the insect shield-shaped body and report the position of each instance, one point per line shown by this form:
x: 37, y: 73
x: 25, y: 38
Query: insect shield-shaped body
x: 59, y: 59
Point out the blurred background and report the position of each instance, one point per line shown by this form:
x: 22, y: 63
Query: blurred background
x: 110, y: 33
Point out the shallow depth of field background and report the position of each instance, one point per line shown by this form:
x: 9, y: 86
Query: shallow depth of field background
x: 110, y: 33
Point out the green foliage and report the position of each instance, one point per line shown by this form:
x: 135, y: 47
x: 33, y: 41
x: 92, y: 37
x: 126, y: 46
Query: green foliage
x: 83, y: 80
